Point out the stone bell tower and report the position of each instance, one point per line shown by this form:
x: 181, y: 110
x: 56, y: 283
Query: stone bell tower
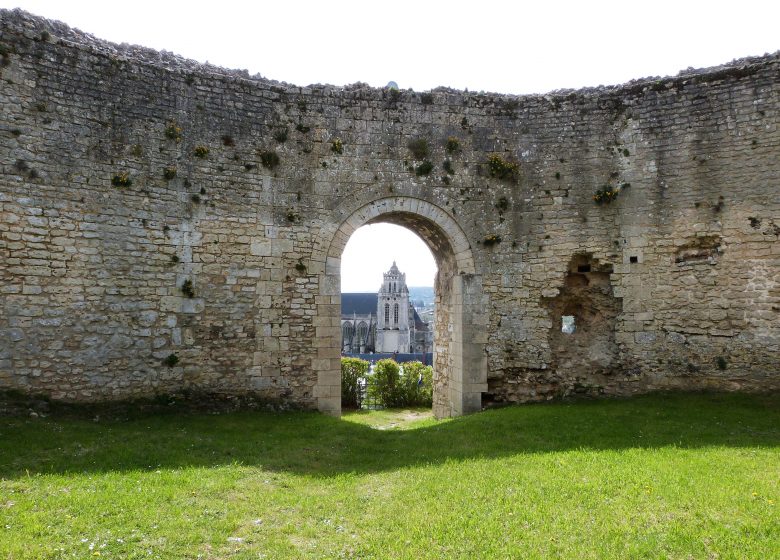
x: 392, y: 313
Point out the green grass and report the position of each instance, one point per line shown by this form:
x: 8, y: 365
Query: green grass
x: 664, y: 476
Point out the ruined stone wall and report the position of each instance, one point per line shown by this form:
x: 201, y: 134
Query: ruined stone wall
x: 154, y: 207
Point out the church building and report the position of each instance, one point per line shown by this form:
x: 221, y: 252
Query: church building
x: 385, y: 322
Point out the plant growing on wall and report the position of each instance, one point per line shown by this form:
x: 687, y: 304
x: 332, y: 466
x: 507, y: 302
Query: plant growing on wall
x: 201, y: 151
x: 605, y: 195
x: 491, y: 240
x: 173, y: 131
x: 122, y: 180
x: 419, y: 148
x: 281, y: 135
x: 500, y: 168
x: 269, y: 159
x: 423, y: 169
x: 337, y: 146
x: 188, y: 289
x: 169, y: 173
x: 452, y: 145
x: 171, y: 360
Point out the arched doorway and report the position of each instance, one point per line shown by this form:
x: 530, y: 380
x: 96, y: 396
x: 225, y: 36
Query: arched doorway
x: 460, y: 362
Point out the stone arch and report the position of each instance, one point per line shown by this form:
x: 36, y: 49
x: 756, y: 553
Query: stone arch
x: 460, y: 362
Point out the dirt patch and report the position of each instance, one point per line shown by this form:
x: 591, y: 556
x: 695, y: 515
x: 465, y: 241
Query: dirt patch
x: 390, y: 419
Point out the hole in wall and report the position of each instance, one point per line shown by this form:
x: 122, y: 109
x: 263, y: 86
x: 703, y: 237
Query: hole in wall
x: 699, y: 249
x: 584, y: 314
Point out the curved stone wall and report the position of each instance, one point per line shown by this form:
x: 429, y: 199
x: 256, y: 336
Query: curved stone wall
x: 153, y: 207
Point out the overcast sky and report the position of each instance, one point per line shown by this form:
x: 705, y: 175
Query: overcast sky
x: 371, y: 251
x: 509, y: 47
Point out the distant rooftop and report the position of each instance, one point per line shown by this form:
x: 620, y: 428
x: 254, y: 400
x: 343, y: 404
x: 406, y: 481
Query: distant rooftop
x: 359, y: 304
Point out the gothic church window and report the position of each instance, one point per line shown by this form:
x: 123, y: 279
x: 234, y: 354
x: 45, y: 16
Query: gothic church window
x: 387, y: 313
x: 362, y: 332
x: 395, y: 314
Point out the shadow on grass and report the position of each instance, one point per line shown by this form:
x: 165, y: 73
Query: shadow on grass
x: 316, y: 445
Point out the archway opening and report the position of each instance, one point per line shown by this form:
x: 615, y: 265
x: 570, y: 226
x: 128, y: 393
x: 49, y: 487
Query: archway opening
x: 387, y: 313
x: 459, y: 360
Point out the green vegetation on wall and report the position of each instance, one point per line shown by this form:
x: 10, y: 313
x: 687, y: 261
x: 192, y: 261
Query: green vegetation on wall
x: 500, y: 168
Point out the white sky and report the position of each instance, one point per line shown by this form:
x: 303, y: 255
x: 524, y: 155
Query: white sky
x: 371, y: 251
x: 510, y: 46
x: 502, y: 46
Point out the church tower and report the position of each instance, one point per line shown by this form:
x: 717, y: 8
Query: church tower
x: 392, y: 313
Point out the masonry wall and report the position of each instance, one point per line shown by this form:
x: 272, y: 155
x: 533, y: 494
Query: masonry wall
x: 125, y: 173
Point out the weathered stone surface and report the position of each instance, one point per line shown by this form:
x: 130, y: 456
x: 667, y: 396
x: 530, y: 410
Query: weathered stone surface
x: 97, y: 238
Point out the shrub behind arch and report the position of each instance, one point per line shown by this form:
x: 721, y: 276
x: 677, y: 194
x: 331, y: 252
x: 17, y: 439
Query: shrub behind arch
x: 352, y: 370
x: 417, y: 384
x: 392, y: 390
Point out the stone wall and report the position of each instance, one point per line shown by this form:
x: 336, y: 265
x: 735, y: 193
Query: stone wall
x: 153, y: 207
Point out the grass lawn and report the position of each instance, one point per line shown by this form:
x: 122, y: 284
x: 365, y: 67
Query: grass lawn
x: 663, y: 476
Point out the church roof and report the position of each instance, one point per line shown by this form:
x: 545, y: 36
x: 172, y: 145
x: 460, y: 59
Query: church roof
x: 418, y: 322
x: 359, y: 304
